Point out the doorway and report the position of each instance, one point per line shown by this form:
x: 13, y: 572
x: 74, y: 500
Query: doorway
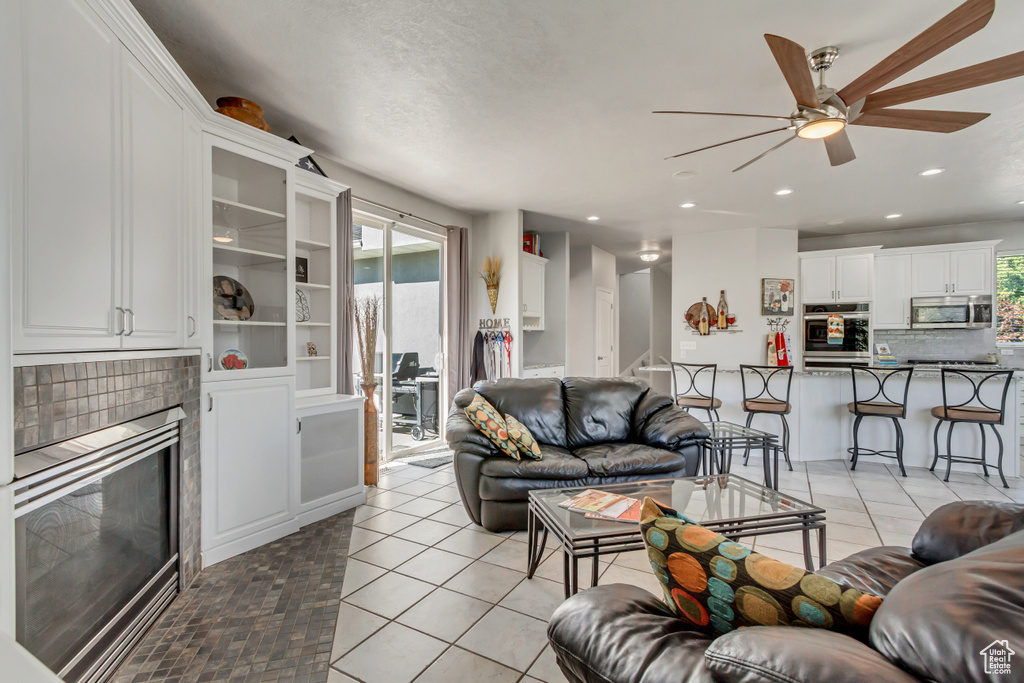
x: 605, y: 332
x: 403, y: 265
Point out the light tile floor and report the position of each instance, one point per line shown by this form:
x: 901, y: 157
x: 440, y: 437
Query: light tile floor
x: 429, y: 596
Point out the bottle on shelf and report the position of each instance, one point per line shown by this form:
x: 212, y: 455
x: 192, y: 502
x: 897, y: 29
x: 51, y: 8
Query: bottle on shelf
x: 704, y: 321
x: 723, y: 312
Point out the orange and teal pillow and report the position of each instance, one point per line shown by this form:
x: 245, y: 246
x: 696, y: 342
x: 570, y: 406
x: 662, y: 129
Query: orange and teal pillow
x: 522, y: 438
x: 718, y: 585
x: 489, y: 421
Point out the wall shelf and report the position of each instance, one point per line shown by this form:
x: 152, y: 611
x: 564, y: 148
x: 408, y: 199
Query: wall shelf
x: 310, y: 245
x: 308, y: 324
x: 311, y: 285
x: 715, y: 330
x: 239, y: 257
x: 231, y: 214
x: 249, y: 323
x: 305, y: 358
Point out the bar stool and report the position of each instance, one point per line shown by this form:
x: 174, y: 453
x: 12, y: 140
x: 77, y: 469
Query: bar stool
x: 884, y: 401
x: 768, y: 394
x: 975, y: 410
x: 687, y: 375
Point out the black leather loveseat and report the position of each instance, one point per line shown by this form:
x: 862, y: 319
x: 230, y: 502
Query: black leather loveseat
x: 591, y: 431
x: 950, y: 603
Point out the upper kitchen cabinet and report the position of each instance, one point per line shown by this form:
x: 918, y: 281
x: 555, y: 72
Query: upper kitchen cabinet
x: 946, y: 272
x: 98, y: 255
x: 532, y: 274
x: 891, y: 310
x: 844, y: 278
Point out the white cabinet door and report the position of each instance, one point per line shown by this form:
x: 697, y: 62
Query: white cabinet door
x: 818, y: 280
x: 891, y: 309
x: 971, y: 271
x: 248, y: 438
x: 533, y: 288
x: 196, y: 247
x: 66, y: 251
x: 154, y: 226
x: 930, y: 273
x: 855, y: 278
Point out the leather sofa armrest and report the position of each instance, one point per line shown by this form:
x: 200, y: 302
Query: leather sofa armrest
x: 672, y: 428
x: 780, y: 654
x: 462, y: 435
x: 956, y: 529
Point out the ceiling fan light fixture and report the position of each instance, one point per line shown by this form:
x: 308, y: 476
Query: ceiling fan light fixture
x: 649, y: 256
x: 820, y: 128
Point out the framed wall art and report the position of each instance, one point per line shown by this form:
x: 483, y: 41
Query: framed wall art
x: 777, y: 296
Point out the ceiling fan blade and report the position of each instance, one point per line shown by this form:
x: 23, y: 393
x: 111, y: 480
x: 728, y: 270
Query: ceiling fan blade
x: 722, y: 113
x: 920, y: 119
x: 727, y: 142
x: 793, y: 61
x: 764, y: 154
x: 966, y: 19
x: 839, y: 149
x: 992, y: 71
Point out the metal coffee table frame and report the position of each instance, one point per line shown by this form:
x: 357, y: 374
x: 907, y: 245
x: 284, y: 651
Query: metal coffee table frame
x: 621, y: 537
x: 717, y: 449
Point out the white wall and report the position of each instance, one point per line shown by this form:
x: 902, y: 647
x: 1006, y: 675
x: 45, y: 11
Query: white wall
x: 550, y: 345
x: 735, y: 261
x: 500, y: 235
x: 661, y: 326
x: 1011, y: 232
x: 634, y: 317
x: 581, y: 360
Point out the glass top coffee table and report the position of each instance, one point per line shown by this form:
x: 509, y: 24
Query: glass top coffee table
x: 733, y: 506
x: 725, y: 437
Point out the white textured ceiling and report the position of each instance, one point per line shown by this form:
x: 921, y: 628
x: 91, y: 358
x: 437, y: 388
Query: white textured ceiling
x: 545, y: 105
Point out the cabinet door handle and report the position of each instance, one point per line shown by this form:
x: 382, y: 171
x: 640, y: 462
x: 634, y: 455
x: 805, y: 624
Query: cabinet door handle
x: 131, y: 322
x: 209, y: 363
x: 298, y: 426
x: 192, y: 326
x: 123, y: 321
x: 209, y: 398
x: 954, y: 288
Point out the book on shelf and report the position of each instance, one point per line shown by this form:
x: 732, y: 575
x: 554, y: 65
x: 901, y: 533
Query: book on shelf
x: 600, y: 504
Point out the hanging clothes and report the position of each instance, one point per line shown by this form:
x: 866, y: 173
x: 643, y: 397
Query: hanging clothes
x: 478, y: 368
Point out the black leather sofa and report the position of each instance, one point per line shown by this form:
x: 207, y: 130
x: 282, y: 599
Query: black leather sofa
x: 959, y: 590
x: 591, y: 431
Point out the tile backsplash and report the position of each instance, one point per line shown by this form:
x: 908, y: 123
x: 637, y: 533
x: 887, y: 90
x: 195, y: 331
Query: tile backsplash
x: 60, y: 401
x: 938, y: 344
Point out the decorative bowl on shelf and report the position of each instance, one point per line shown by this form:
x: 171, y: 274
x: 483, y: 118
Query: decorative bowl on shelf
x: 243, y: 110
x: 233, y: 359
x: 231, y: 300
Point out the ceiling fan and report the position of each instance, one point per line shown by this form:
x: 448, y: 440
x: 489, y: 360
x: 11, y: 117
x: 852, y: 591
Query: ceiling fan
x: 823, y: 113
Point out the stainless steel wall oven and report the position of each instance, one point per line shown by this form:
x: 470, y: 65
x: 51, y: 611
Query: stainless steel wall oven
x: 853, y: 349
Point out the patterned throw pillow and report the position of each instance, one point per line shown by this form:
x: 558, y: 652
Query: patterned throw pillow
x: 522, y: 438
x: 719, y: 585
x: 489, y: 421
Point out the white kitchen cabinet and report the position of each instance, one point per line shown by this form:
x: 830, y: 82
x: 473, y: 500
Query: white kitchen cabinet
x: 953, y: 272
x: 847, y: 278
x: 248, y: 441
x: 971, y: 271
x: 330, y: 456
x: 544, y: 371
x: 930, y: 273
x: 98, y: 255
x: 532, y: 274
x: 891, y: 310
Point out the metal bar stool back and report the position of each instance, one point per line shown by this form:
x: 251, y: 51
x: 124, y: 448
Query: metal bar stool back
x: 766, y: 390
x: 694, y: 387
x: 879, y: 392
x: 972, y: 397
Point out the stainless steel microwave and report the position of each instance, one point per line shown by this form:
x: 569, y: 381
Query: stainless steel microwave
x: 951, y: 312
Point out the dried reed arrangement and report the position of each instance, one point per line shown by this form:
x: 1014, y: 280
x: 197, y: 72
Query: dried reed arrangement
x: 491, y: 275
x: 367, y: 313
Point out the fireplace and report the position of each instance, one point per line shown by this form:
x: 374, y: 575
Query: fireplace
x: 96, y: 531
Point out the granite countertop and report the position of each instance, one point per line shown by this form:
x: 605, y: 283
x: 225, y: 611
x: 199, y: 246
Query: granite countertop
x: 844, y: 372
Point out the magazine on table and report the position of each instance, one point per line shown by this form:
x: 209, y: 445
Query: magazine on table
x: 604, y: 505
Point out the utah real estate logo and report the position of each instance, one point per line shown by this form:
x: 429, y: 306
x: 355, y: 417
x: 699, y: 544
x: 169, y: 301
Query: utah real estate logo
x: 997, y: 657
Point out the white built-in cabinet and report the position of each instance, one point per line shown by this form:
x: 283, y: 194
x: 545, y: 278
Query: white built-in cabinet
x: 891, y: 310
x: 330, y: 476
x: 847, y: 278
x: 953, y: 272
x: 532, y: 276
x: 98, y: 248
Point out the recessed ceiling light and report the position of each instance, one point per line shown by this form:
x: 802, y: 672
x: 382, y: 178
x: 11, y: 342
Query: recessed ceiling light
x: 650, y: 255
x: 684, y: 175
x: 783, y: 192
x: 593, y: 218
x: 931, y: 171
x: 688, y: 205
x: 894, y: 215
x: 1021, y: 201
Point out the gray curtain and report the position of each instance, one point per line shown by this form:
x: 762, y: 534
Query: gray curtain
x: 459, y: 328
x: 346, y: 294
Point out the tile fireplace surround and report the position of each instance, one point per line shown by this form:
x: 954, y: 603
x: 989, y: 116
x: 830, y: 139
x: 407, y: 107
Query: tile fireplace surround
x: 57, y: 402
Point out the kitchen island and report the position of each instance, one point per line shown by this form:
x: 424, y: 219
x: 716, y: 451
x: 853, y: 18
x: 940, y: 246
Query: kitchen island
x: 821, y: 426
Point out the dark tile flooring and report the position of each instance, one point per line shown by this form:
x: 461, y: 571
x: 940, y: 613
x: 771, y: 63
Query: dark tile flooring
x: 266, y: 615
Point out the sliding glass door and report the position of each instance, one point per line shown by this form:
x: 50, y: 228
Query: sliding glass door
x: 403, y: 266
